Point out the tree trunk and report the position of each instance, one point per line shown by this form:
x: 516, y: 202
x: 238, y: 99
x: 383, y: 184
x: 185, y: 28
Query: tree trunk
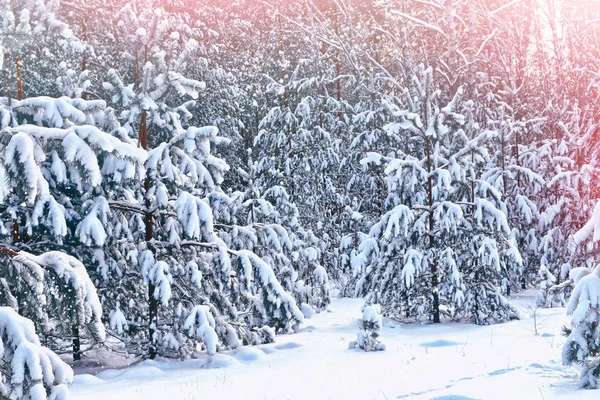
x: 84, y: 95
x: 19, y: 80
x: 76, y: 343
x: 434, y: 272
x: 148, y: 223
x: 8, y: 91
x: 137, y: 71
x: 15, y: 230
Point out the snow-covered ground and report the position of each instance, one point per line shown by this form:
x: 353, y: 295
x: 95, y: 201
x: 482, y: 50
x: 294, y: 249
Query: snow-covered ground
x: 447, y: 361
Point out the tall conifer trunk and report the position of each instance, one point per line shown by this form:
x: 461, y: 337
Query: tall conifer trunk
x: 434, y: 269
x: 148, y: 223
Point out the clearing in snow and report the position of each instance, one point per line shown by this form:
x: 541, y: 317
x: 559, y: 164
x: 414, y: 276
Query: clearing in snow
x: 447, y: 361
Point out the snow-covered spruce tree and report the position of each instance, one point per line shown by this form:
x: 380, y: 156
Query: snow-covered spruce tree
x: 366, y: 187
x: 442, y: 247
x: 570, y: 194
x: 268, y: 224
x: 152, y: 110
x: 511, y: 180
x: 27, y: 369
x: 370, y: 324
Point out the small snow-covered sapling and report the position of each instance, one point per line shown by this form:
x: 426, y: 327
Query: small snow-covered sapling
x: 369, y: 325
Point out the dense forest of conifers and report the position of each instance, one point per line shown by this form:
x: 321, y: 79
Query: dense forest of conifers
x: 190, y: 176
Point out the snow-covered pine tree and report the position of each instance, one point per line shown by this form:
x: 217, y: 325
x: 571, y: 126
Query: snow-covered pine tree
x: 581, y: 346
x: 569, y: 197
x: 245, y: 283
x: 512, y: 179
x: 368, y: 337
x: 366, y: 187
x: 182, y: 263
x: 446, y: 226
x: 152, y: 109
x: 296, y: 149
x: 53, y: 165
x: 33, y: 41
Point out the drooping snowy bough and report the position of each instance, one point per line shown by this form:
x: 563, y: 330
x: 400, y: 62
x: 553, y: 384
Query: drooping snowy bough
x: 55, y: 291
x: 27, y: 369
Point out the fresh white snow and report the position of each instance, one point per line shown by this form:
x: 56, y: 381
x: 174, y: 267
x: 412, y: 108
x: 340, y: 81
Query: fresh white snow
x: 421, y: 361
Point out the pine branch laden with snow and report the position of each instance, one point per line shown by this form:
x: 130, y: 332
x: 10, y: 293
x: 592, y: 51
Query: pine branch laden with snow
x: 41, y: 163
x: 590, y: 230
x: 201, y: 325
x: 274, y: 305
x: 25, y: 284
x: 159, y: 275
x: 80, y: 147
x: 582, y: 345
x: 71, y: 293
x: 186, y: 161
x: 90, y: 230
x: 195, y: 217
x: 29, y: 370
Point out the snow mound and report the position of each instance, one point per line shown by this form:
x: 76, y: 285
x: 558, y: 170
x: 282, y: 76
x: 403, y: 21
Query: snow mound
x: 86, y: 379
x: 141, y: 372
x: 287, y: 346
x: 248, y: 354
x: 220, y: 361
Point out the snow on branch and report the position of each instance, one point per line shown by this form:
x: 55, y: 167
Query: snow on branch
x: 200, y: 324
x: 255, y: 268
x: 591, y: 228
x: 72, y: 273
x: 29, y: 370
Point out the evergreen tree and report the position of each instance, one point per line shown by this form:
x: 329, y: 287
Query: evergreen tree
x: 437, y: 221
x: 369, y: 325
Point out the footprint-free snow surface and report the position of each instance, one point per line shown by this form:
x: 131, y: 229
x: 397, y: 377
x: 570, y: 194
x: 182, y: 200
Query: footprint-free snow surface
x: 445, y: 362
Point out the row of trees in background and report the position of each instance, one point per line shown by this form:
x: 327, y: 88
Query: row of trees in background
x: 213, y: 166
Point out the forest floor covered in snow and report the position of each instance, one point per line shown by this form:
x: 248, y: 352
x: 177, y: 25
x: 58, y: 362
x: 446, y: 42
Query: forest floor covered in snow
x: 447, y: 361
